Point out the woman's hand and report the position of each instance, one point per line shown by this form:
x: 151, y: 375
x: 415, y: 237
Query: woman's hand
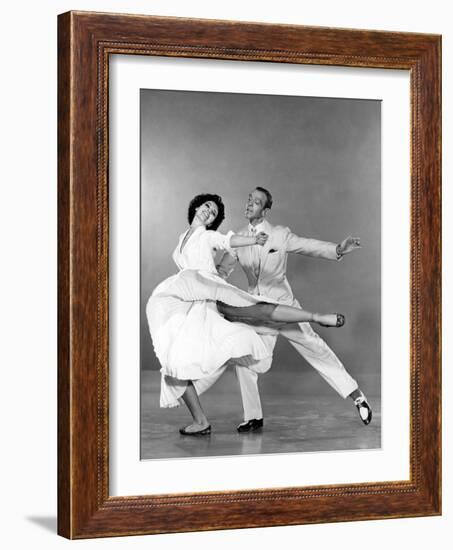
x: 261, y: 238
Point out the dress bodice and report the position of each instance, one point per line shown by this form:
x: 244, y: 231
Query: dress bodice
x: 200, y: 248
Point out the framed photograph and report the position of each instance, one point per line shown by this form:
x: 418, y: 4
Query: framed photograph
x: 249, y: 275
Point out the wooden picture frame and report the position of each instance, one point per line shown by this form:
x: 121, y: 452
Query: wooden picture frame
x: 85, y: 42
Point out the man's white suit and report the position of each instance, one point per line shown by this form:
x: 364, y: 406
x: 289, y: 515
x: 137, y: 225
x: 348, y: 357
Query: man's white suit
x: 265, y: 268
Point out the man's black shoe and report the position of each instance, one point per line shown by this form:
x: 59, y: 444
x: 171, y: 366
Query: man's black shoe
x: 250, y: 425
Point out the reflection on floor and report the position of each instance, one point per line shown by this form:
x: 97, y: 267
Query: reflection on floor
x: 301, y: 414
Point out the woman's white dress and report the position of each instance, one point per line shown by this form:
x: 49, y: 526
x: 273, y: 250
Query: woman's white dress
x: 192, y: 340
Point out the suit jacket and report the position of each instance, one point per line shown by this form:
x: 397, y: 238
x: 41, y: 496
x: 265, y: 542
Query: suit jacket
x: 269, y: 277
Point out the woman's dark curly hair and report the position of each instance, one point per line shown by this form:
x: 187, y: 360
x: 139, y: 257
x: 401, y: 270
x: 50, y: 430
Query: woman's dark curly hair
x: 201, y: 199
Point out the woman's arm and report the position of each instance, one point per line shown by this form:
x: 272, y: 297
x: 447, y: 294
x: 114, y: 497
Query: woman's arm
x: 237, y: 241
x: 231, y: 240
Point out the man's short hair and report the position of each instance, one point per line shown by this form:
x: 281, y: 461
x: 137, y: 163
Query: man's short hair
x: 268, y: 197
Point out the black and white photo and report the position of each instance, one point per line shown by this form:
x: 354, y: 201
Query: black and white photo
x: 260, y: 274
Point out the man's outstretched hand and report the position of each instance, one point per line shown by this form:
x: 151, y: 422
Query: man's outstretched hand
x: 348, y: 245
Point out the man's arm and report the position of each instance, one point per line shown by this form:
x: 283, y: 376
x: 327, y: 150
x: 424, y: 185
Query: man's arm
x: 321, y: 249
x: 226, y: 265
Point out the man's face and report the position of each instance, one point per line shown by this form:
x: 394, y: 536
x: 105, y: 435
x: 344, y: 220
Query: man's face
x: 256, y: 205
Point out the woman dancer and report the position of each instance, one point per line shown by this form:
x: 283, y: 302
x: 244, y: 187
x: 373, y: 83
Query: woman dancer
x: 199, y: 323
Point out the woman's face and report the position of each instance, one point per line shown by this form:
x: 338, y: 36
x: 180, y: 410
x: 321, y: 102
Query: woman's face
x: 207, y: 212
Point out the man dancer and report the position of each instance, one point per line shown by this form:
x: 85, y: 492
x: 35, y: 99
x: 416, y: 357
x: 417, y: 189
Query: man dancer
x: 265, y: 268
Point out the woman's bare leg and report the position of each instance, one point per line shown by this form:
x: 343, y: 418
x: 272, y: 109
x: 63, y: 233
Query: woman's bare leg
x: 190, y: 398
x: 289, y: 314
x: 277, y: 313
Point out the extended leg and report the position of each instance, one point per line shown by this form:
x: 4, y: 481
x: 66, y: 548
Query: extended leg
x: 277, y: 313
x: 315, y: 350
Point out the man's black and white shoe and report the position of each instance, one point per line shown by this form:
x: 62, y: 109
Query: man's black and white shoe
x: 250, y: 425
x: 364, y: 409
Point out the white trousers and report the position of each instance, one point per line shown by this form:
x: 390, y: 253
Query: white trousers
x: 315, y: 351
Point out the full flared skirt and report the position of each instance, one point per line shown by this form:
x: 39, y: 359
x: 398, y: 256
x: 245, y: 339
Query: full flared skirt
x: 192, y: 340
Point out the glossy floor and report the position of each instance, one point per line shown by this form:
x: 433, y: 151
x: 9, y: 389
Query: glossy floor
x: 301, y: 414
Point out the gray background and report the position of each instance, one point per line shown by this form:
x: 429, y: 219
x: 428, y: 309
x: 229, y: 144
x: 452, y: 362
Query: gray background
x: 320, y: 158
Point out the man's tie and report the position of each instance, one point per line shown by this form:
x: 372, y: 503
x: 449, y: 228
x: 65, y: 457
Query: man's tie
x: 255, y: 254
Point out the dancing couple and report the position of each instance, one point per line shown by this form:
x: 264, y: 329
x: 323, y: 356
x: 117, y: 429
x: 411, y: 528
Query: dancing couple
x: 200, y: 324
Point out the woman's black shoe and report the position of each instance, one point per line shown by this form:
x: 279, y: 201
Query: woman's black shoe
x: 204, y: 431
